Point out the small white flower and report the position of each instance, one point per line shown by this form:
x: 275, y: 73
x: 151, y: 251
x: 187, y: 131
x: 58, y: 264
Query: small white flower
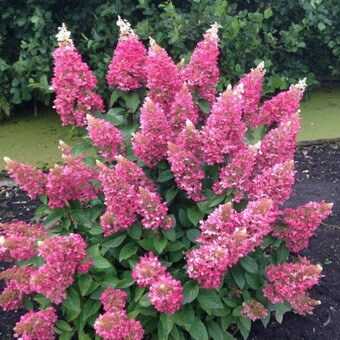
x: 125, y: 28
x: 64, y: 36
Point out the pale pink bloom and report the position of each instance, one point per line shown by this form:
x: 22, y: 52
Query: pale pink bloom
x: 18, y: 278
x: 254, y: 310
x: 28, y: 178
x: 166, y: 294
x: 275, y: 183
x: 147, y: 270
x: 11, y: 298
x: 106, y: 137
x: 252, y: 84
x: 113, y: 299
x: 163, y: 79
x: 279, y: 144
x: 150, y: 143
x: 182, y: 109
x: 290, y: 282
x: 298, y: 225
x: 74, y: 85
x: 282, y: 105
x: 224, y: 131
x: 126, y: 70
x: 202, y: 72
x: 37, y: 325
x: 303, y: 304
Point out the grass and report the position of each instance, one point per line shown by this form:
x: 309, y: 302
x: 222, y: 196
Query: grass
x: 35, y: 139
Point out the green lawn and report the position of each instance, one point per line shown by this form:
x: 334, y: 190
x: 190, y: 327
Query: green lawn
x: 35, y: 139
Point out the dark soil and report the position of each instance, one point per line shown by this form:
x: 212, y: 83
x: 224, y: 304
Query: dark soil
x: 318, y: 178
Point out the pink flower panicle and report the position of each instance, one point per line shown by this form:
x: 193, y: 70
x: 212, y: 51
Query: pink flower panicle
x: 182, y: 109
x: 279, y: 144
x: 106, y: 137
x: 237, y: 173
x: 252, y: 84
x: 150, y: 143
x: 71, y: 181
x: 74, y: 84
x: 62, y: 256
x: 116, y: 326
x: 299, y: 224
x: 153, y: 211
x: 185, y: 158
x: 166, y: 294
x: 224, y: 130
x: 254, y: 310
x: 202, y: 72
x: 275, y: 183
x: 29, y: 179
x: 19, y: 240
x: 113, y: 299
x: 127, y: 68
x: 290, y: 282
x: 163, y: 79
x: 37, y: 325
x: 226, y: 237
x: 282, y: 105
x: 147, y: 270
x: 11, y: 298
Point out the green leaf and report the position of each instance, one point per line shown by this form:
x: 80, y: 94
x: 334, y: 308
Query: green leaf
x: 135, y: 232
x: 72, y: 305
x: 177, y: 334
x: 165, y: 326
x: 282, y: 254
x: 127, y: 251
x: 194, y: 215
x: 238, y: 277
x: 90, y: 308
x: 249, y: 264
x: 193, y: 234
x: 85, y: 283
x: 145, y: 301
x: 204, y: 106
x: 170, y: 194
x: 209, y: 299
x: 114, y: 96
x: 63, y: 326
x: 132, y: 101
x: 244, y: 326
x: 113, y: 243
x: 215, y: 331
x: 42, y: 300
x: 160, y: 244
x: 165, y: 176
x: 170, y: 234
x: 198, y: 330
x: 280, y: 310
x: 268, y: 13
x: 254, y: 281
x: 191, y: 290
x: 184, y: 317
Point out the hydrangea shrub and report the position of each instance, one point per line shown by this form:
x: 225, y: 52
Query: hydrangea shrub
x: 168, y: 221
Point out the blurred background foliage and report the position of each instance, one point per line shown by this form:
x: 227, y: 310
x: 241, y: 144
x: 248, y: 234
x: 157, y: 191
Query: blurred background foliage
x: 295, y: 38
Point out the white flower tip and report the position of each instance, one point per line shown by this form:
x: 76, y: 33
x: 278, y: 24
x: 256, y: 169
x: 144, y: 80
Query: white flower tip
x: 256, y: 146
x: 301, y: 85
x: 189, y: 124
x: 40, y: 243
x: 64, y: 36
x: 2, y: 240
x: 229, y: 87
x: 99, y: 163
x: 62, y: 143
x: 319, y: 267
x: 125, y: 28
x: 212, y: 32
x: 89, y: 118
x: 239, y: 89
x: 260, y: 67
x: 153, y: 43
x: 7, y: 160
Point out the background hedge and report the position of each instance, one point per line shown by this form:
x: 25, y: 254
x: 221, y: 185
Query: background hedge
x: 295, y: 38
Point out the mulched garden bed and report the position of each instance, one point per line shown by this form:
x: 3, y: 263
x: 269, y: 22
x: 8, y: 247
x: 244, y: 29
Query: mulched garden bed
x: 318, y: 177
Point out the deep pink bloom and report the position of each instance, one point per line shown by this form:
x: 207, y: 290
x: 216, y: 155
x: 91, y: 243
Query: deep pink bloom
x: 70, y: 182
x: 252, y: 84
x: 224, y: 130
x: 275, y: 183
x: 18, y: 278
x: 290, y: 282
x: 202, y: 72
x: 154, y: 212
x: 282, y: 105
x: 163, y: 79
x: 28, y: 178
x: 19, y: 240
x: 73, y: 83
x: 299, y: 224
x: 279, y: 144
x: 126, y: 70
x: 147, y: 270
x: 166, y: 294
x: 37, y: 325
x: 237, y: 173
x: 185, y: 158
x: 182, y: 109
x: 113, y: 299
x: 254, y: 310
x: 11, y: 298
x: 106, y: 137
x: 150, y: 143
x: 116, y: 326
